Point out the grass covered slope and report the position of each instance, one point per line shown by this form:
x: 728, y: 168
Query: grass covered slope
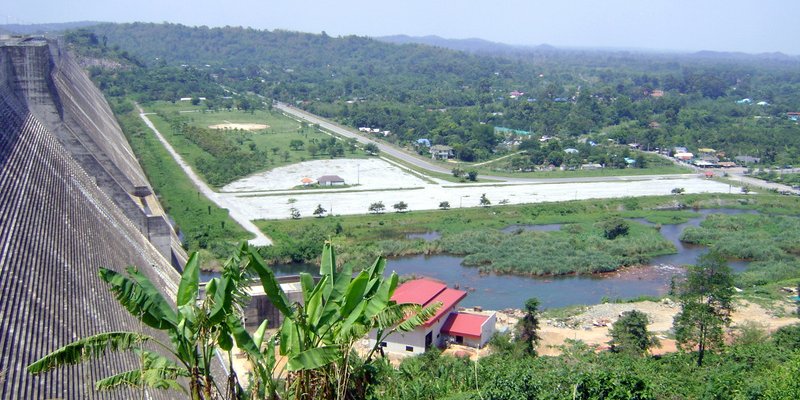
x: 202, y: 225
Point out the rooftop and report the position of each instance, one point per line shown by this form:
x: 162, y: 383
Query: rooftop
x: 330, y: 178
x: 463, y: 324
x: 426, y: 292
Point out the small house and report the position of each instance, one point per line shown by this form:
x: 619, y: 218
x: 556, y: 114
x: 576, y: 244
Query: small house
x: 591, y: 167
x: 330, y: 180
x: 748, y: 159
x: 794, y: 116
x: 441, y: 152
x: 469, y: 329
x: 447, y: 325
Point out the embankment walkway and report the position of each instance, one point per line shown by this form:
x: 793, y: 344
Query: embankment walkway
x: 221, y: 201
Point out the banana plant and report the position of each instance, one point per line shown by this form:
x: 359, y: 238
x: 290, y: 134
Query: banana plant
x: 318, y: 336
x: 195, y: 328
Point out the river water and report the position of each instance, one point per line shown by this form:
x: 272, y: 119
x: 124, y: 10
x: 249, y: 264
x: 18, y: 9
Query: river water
x: 510, y: 291
x: 496, y: 292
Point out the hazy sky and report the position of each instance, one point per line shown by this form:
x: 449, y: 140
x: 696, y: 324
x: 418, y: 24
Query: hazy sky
x: 686, y: 25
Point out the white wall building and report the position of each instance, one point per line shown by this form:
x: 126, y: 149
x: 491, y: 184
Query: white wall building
x: 447, y: 324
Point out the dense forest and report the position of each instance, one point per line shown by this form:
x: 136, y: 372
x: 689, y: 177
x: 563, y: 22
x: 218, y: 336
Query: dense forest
x: 734, y: 103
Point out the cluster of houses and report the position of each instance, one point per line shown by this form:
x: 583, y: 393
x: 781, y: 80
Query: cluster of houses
x: 710, y: 158
x: 792, y: 115
x: 750, y: 101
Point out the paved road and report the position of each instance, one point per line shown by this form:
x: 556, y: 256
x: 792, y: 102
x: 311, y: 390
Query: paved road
x: 429, y: 166
x: 342, y: 131
x: 221, y: 201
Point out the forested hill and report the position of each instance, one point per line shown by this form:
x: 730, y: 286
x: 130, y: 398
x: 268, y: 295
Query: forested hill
x: 455, y: 98
x: 40, y: 29
x: 473, y: 45
x: 272, y: 52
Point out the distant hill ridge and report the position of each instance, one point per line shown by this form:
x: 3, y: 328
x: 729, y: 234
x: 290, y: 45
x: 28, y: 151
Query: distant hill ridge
x: 38, y: 29
x: 482, y: 46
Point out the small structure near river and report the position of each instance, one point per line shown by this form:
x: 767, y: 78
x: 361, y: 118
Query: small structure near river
x: 446, y: 326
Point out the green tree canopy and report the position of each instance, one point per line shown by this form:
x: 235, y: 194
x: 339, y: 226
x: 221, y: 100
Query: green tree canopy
x: 630, y: 335
x: 706, y: 305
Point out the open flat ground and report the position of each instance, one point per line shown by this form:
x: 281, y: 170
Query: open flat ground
x: 660, y: 314
x: 269, y: 195
x: 592, y: 324
x: 367, y: 174
x: 244, y: 127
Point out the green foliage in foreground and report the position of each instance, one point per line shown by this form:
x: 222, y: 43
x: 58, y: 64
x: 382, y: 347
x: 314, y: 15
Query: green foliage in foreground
x: 204, y: 225
x: 316, y: 338
x: 195, y: 329
x: 741, y: 371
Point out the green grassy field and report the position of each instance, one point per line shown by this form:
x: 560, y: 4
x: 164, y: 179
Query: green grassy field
x: 271, y: 145
x: 205, y: 227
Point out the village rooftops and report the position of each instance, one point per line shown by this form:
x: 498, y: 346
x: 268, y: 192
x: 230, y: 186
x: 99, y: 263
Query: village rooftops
x: 426, y: 292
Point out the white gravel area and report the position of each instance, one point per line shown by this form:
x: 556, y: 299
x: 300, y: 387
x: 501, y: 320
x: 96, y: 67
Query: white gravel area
x: 372, y: 173
x: 428, y: 196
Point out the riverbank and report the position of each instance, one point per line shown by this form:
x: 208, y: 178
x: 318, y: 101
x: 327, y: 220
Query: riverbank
x: 592, y: 324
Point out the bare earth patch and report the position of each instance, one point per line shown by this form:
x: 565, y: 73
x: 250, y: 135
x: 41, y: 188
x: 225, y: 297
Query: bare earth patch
x: 592, y: 325
x: 245, y: 127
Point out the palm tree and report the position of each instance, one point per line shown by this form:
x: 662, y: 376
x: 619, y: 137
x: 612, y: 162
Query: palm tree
x: 318, y: 337
x: 195, y: 329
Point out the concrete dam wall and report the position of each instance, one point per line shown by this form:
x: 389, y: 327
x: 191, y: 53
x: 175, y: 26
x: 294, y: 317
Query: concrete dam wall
x: 72, y: 199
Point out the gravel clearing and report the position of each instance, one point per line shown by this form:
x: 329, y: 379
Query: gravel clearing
x: 260, y: 196
x: 372, y: 173
x: 592, y: 324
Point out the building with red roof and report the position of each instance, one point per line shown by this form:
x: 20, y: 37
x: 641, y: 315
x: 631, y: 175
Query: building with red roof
x: 446, y: 324
x: 473, y: 330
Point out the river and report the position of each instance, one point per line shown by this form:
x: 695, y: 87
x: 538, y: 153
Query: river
x: 510, y: 291
x: 496, y: 292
